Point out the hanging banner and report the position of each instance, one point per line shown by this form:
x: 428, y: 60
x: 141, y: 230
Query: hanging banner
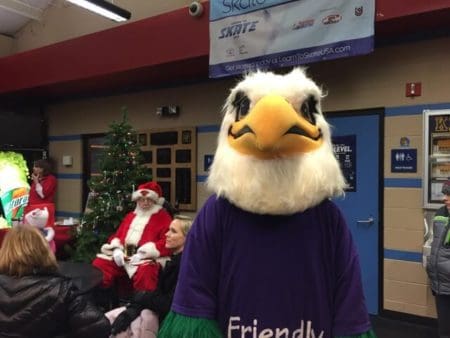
x: 264, y: 34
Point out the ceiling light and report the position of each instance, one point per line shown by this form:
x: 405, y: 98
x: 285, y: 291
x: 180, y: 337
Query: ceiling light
x: 104, y: 8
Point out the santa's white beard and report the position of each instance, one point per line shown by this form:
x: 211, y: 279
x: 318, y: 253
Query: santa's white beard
x: 280, y: 186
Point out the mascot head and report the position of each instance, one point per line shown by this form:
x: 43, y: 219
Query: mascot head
x: 274, y: 153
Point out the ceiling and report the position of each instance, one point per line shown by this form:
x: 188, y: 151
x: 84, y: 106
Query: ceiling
x: 15, y: 14
x: 109, y: 62
x: 140, y: 62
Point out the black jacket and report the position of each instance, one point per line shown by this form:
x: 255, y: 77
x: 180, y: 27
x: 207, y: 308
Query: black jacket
x: 160, y: 300
x: 41, y: 306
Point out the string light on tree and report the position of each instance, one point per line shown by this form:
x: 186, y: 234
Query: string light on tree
x: 113, y: 188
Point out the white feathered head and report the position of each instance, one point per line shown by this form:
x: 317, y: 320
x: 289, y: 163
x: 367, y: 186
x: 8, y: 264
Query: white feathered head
x: 274, y: 153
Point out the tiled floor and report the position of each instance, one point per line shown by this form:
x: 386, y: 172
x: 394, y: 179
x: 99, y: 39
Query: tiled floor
x: 391, y: 328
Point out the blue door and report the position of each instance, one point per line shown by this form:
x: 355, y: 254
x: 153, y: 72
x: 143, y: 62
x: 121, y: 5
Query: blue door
x: 357, y: 143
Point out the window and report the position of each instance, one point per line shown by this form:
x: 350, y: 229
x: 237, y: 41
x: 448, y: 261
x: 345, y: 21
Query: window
x: 171, y: 155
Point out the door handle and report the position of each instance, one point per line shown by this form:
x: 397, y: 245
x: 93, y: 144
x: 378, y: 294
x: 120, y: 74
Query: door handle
x: 368, y: 221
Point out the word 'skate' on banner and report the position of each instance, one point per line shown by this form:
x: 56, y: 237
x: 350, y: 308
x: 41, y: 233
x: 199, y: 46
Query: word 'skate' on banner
x: 268, y: 34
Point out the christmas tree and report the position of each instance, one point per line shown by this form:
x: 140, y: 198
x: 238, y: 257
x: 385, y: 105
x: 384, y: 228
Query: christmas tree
x: 121, y: 171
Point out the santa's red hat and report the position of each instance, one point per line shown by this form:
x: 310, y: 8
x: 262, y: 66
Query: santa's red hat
x: 151, y: 190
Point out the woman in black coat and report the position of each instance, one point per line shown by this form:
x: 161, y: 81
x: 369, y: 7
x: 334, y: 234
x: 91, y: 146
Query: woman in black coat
x: 35, y: 300
x: 158, y: 301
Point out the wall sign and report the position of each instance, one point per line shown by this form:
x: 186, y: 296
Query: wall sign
x: 404, y: 160
x: 344, y: 148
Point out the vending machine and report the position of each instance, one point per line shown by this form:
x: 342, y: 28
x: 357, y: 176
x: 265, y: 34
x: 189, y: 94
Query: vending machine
x: 436, y: 156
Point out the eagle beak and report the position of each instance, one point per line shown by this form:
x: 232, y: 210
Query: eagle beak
x: 274, y: 129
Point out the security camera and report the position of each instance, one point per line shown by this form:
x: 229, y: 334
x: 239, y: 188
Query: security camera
x: 195, y: 8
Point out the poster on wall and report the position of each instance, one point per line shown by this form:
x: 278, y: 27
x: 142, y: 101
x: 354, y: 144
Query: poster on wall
x: 268, y: 34
x: 344, y: 148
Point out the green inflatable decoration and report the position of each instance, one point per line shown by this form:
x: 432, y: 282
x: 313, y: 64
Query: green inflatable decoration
x: 14, y: 187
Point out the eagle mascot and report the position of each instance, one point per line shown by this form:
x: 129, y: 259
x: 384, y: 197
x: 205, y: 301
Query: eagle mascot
x: 269, y: 254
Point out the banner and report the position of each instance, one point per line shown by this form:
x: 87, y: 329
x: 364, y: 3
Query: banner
x: 14, y: 187
x: 264, y: 34
x: 14, y: 202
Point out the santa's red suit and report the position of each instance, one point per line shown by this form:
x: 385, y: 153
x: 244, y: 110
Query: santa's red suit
x: 143, y: 229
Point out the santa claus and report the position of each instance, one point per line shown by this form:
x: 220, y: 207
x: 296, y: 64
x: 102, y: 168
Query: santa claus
x: 138, y: 241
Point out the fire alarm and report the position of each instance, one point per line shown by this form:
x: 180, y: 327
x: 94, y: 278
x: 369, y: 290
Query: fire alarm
x: 413, y: 89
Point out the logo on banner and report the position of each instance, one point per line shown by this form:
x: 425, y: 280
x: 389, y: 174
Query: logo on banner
x: 332, y: 18
x: 303, y: 24
x: 238, y: 28
x: 14, y: 202
x: 359, y: 11
x: 242, y: 50
x: 230, y: 52
x: 239, y: 5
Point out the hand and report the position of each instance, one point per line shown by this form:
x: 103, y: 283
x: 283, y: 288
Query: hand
x: 119, y: 257
x: 135, y: 259
x: 123, y: 321
x: 107, y: 249
x: 148, y: 250
x: 35, y: 178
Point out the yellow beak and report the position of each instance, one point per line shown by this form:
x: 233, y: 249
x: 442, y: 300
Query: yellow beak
x: 274, y: 129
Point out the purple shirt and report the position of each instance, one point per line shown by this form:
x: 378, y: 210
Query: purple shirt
x: 259, y: 275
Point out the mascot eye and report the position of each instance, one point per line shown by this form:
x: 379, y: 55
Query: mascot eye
x: 242, y: 105
x: 308, y: 109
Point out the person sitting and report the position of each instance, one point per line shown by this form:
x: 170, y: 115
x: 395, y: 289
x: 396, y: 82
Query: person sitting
x: 38, y: 218
x: 43, y: 185
x: 35, y: 300
x: 149, y: 308
x: 138, y: 241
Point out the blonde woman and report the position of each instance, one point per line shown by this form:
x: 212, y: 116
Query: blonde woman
x: 35, y: 300
x: 149, y: 308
